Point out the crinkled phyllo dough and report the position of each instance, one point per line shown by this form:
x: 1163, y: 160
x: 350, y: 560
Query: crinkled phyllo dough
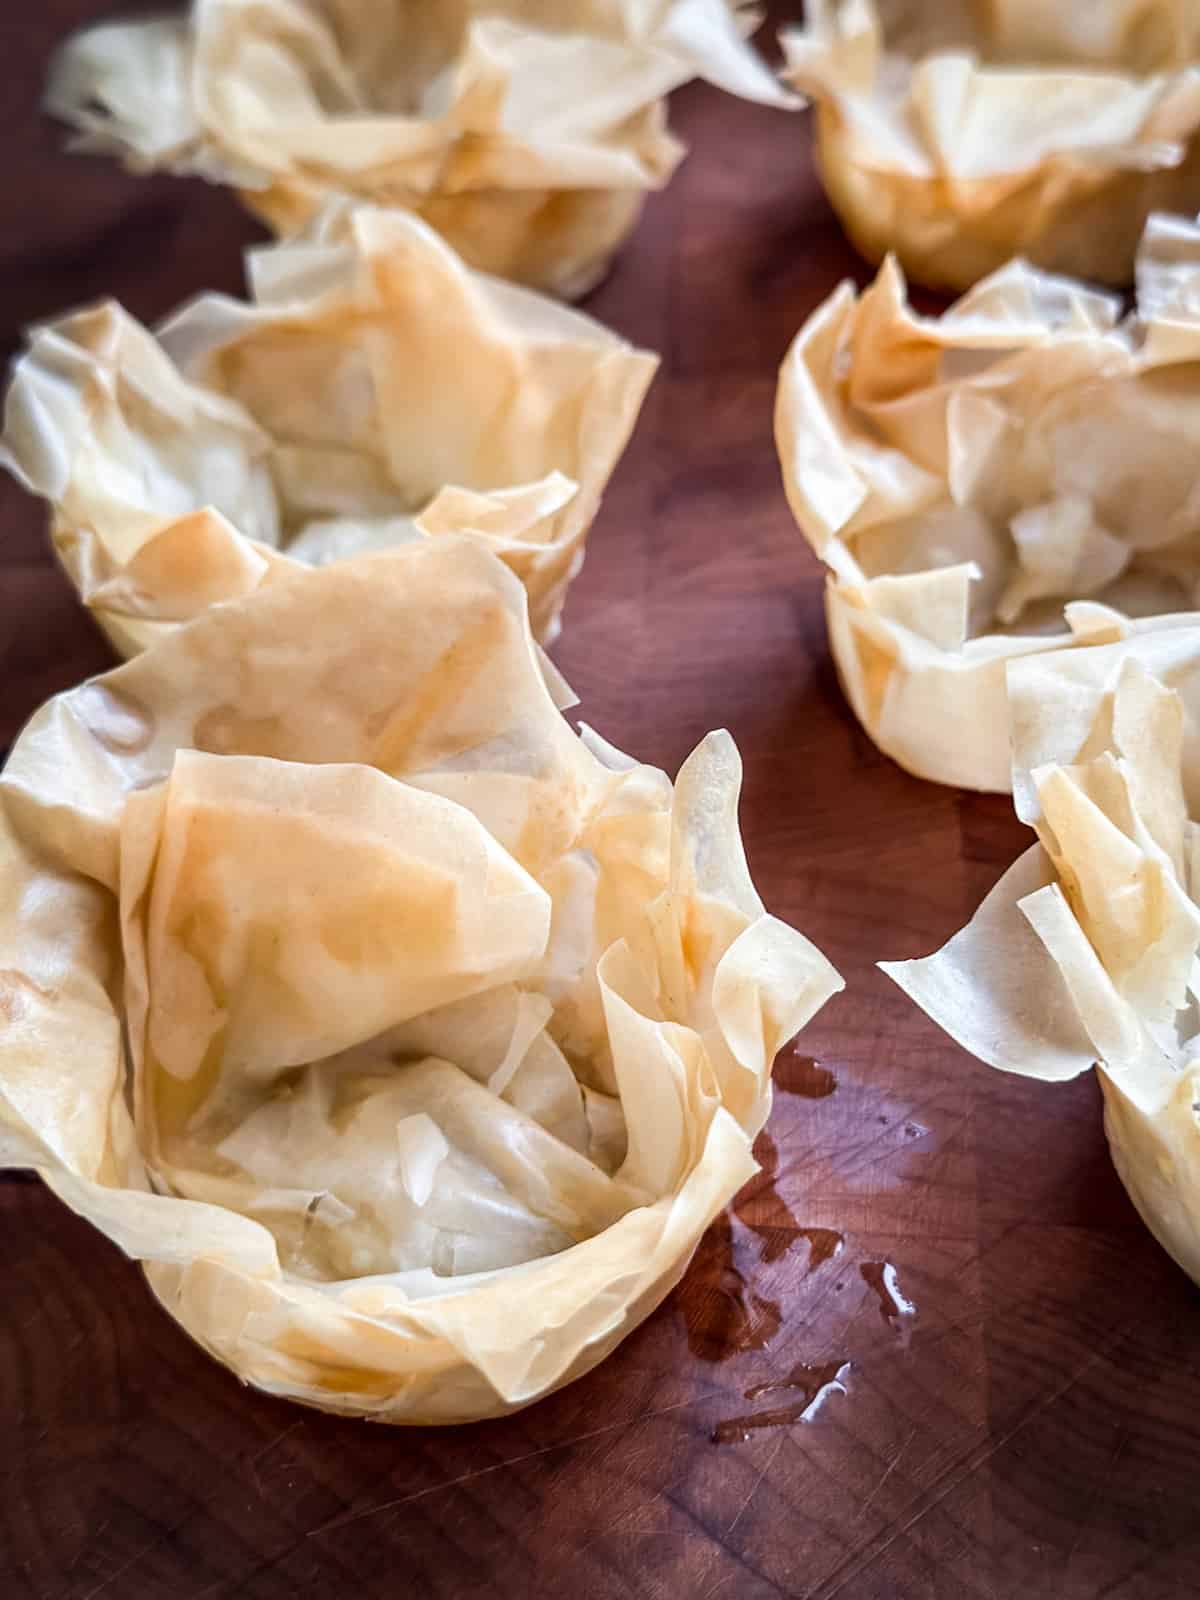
x: 409, y: 1039
x: 1011, y: 478
x: 960, y: 133
x: 527, y: 132
x: 1086, y: 950
x: 374, y: 391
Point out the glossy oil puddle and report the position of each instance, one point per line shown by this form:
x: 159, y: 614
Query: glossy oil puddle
x: 812, y: 1384
x: 764, y: 1211
x: 724, y: 1316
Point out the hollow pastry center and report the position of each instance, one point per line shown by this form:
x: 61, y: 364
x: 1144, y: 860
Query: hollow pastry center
x: 341, y: 1024
x: 1074, y: 483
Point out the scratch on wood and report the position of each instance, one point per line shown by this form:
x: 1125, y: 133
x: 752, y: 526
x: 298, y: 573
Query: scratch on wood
x: 1085, y: 1521
x: 887, y: 1472
x: 756, y: 1486
x: 963, y: 1466
x: 252, y: 1462
x: 153, y: 1544
x: 624, y: 1524
x: 347, y: 1517
x: 277, y: 1440
x: 721, y: 1583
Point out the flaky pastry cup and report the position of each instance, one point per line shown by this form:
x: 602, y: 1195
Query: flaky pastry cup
x: 957, y: 135
x: 374, y: 391
x: 1013, y: 478
x: 1085, y: 952
x: 408, y: 1039
x: 528, y: 132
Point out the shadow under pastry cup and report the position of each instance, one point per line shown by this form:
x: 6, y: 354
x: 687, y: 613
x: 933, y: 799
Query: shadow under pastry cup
x: 1014, y: 478
x: 958, y: 136
x: 527, y: 133
x: 373, y: 391
x: 1085, y: 952
x: 407, y: 1037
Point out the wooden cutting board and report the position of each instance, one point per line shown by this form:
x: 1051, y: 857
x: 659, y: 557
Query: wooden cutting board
x: 929, y: 1352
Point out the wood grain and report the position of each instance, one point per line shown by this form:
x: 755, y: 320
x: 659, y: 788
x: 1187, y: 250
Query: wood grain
x: 1029, y: 1430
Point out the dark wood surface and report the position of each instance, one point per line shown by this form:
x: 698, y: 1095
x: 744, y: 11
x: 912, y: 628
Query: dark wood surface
x: 1031, y: 1429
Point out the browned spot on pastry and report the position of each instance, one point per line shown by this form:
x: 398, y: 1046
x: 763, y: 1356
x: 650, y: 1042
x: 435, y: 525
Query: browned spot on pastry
x: 397, y: 732
x: 696, y: 940
x: 876, y: 666
x: 379, y: 928
x: 331, y: 1373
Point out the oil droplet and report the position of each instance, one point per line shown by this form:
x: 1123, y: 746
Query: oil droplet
x: 803, y: 1075
x: 893, y: 1303
x: 823, y: 1245
x: 814, y: 1384
x: 723, y: 1316
x: 765, y: 1212
x: 813, y: 1381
